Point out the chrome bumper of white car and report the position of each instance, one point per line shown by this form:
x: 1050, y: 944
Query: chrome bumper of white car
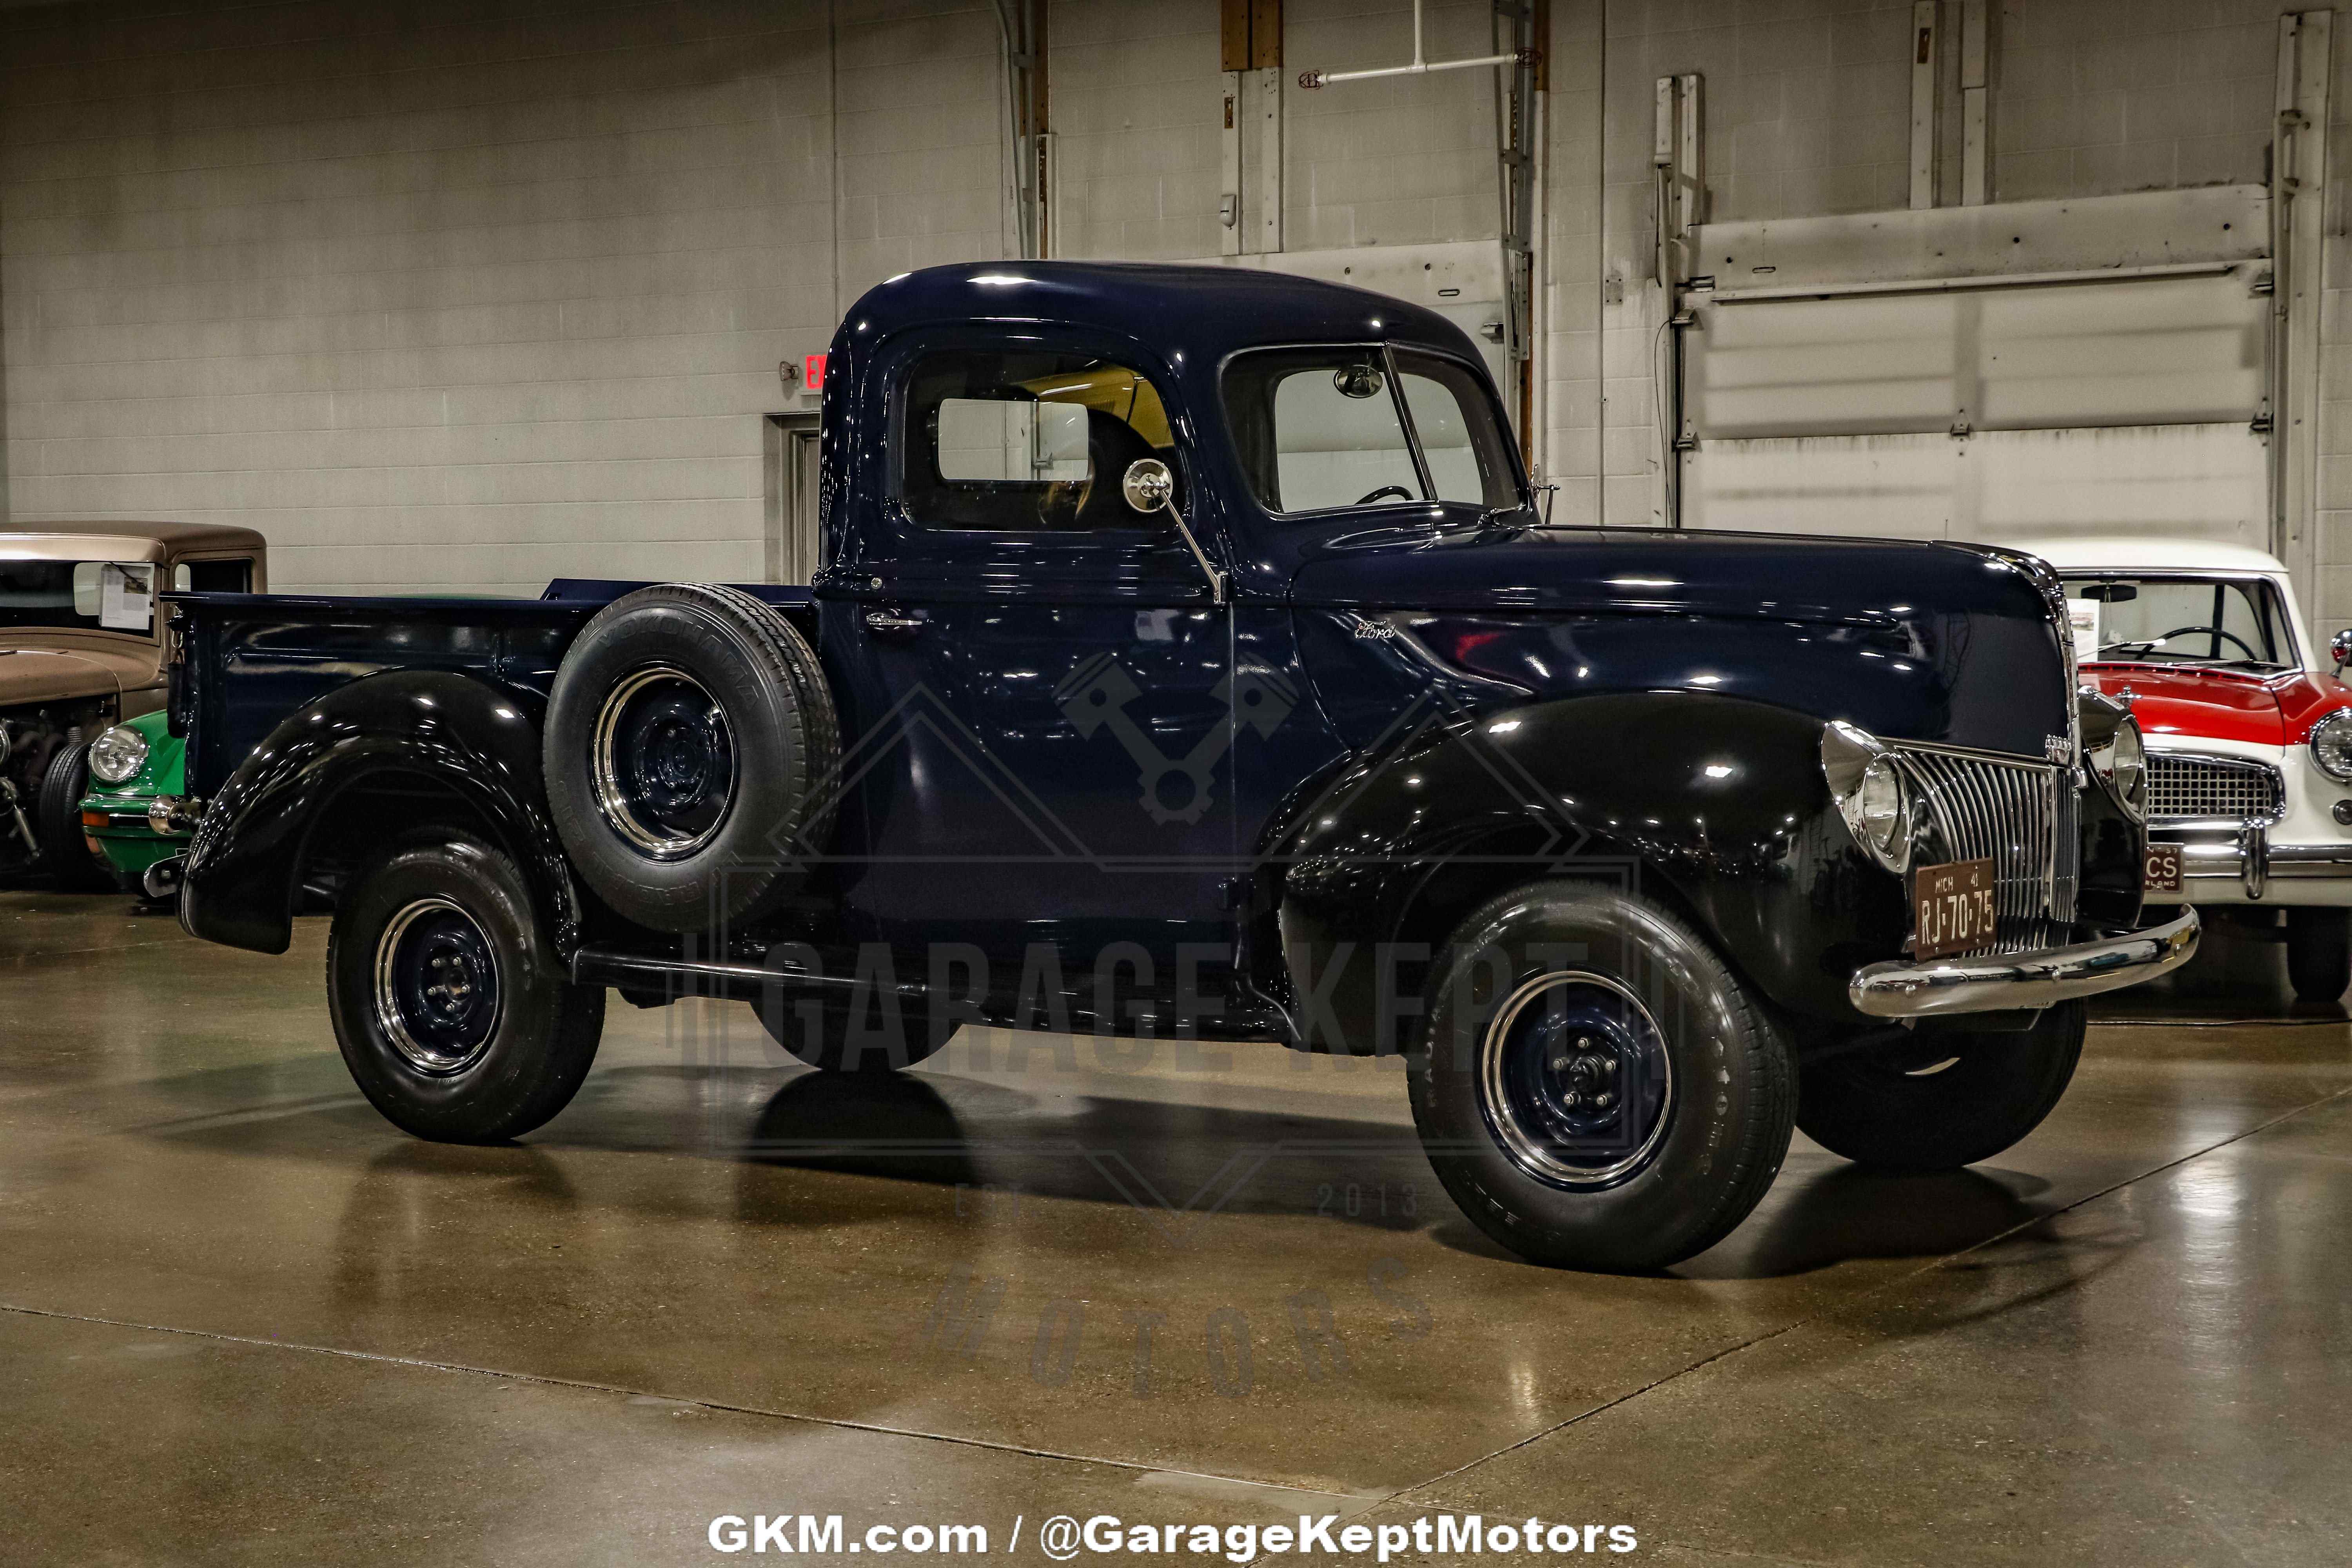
x: 1999, y: 982
x: 2246, y: 857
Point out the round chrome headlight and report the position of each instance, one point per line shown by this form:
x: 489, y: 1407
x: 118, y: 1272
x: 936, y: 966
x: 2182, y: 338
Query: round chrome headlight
x: 117, y: 755
x: 2331, y: 745
x: 1883, y: 814
x: 2127, y: 768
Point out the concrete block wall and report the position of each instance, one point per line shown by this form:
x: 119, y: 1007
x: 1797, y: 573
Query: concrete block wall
x: 2098, y: 97
x: 468, y: 295
x: 1400, y: 161
x: 1137, y: 109
x: 1806, y: 113
x: 1137, y: 100
x: 4, y: 405
x: 2332, y: 610
x: 458, y: 295
x: 1569, y: 261
x: 924, y: 159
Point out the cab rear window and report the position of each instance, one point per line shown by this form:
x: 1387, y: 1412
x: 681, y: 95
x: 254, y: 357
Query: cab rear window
x: 1023, y: 442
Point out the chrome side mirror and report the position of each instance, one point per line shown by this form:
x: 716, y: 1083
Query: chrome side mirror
x: 1149, y: 485
x: 1149, y: 488
x: 2341, y: 646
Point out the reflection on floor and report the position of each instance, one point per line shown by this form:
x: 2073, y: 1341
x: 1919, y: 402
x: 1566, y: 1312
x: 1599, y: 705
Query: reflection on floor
x: 247, y: 1322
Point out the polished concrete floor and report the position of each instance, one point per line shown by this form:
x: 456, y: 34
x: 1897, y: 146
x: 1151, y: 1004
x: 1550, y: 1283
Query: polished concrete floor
x: 243, y: 1320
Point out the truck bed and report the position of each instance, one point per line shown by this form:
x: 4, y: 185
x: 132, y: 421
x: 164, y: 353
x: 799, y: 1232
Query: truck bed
x: 245, y: 661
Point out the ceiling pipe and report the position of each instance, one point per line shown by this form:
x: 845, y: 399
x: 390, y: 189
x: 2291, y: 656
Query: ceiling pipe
x: 1422, y: 65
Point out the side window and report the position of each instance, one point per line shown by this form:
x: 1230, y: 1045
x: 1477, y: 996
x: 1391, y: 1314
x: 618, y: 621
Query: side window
x: 1017, y: 442
x: 214, y: 576
x: 1463, y: 464
x: 1320, y: 429
x: 1337, y: 440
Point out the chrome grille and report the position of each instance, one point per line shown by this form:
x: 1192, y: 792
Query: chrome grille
x: 2182, y: 788
x: 2020, y: 817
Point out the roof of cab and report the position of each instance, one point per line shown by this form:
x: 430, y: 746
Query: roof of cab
x: 2097, y: 553
x: 114, y: 540
x: 1206, y: 311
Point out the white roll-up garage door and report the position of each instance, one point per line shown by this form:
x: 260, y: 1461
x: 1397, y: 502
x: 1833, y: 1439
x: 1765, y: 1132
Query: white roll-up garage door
x: 1985, y: 407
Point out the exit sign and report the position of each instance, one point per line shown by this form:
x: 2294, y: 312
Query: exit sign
x: 813, y: 372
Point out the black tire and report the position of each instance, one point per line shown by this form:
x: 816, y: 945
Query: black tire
x: 869, y: 1037
x: 1698, y: 1074
x: 509, y: 1039
x: 2319, y: 953
x: 65, y: 851
x: 721, y: 741
x: 1944, y: 1102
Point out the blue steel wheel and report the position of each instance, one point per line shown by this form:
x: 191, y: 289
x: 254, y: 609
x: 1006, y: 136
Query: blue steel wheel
x: 1592, y: 1083
x: 453, y: 1009
x: 1577, y: 1081
x: 664, y: 762
x: 436, y: 987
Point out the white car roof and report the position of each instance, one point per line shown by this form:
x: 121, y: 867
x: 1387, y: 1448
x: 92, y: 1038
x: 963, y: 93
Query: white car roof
x: 2097, y: 553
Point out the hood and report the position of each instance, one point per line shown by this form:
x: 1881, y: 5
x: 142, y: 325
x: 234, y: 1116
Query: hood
x: 28, y: 676
x: 1876, y: 582
x: 1927, y: 641
x: 2221, y: 704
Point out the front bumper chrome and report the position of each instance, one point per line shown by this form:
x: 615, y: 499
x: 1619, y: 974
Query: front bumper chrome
x: 1996, y: 981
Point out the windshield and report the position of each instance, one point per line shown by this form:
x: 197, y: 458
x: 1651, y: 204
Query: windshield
x: 1339, y: 428
x: 96, y: 595
x: 2180, y: 620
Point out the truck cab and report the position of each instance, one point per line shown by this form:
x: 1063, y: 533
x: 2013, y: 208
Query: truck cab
x: 1190, y: 658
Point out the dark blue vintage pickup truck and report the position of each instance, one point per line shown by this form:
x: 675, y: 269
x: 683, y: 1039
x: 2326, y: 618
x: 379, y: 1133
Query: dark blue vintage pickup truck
x: 1190, y: 658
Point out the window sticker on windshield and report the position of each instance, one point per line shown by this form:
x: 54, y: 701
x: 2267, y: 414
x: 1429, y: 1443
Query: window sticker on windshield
x: 2083, y: 614
x: 126, y: 597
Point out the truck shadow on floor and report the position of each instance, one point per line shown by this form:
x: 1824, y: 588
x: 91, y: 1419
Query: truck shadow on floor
x: 1847, y: 1212
x: 1176, y: 1163
x: 944, y: 1148
x: 1181, y: 1161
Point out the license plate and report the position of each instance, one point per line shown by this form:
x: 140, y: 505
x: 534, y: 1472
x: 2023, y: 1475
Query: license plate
x: 2163, y: 873
x: 1952, y: 907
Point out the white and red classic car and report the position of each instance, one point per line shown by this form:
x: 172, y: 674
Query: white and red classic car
x: 2249, y: 735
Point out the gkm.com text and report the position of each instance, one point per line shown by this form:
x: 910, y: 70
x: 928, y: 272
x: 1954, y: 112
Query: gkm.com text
x: 1064, y: 1538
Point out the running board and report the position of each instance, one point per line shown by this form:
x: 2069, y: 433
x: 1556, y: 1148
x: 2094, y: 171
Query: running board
x: 701, y: 977
x: 675, y: 979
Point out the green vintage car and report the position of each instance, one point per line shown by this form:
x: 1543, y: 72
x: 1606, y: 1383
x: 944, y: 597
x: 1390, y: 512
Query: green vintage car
x: 129, y: 817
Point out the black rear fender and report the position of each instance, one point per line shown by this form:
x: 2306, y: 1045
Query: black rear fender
x: 384, y: 758
x: 1716, y: 805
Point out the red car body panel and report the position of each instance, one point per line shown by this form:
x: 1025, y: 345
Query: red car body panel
x: 2221, y: 704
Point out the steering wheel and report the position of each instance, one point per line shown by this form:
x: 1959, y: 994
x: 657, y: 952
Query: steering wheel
x: 1397, y: 491
x: 2207, y: 631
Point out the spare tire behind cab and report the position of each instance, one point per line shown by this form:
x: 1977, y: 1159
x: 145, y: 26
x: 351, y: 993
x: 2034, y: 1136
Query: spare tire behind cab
x: 689, y: 750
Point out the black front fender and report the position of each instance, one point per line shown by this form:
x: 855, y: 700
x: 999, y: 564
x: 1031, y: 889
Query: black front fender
x: 463, y: 743
x: 1716, y: 804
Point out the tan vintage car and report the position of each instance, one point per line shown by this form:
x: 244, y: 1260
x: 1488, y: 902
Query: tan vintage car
x: 83, y: 646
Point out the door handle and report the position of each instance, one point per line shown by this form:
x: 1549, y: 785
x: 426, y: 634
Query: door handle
x: 895, y: 624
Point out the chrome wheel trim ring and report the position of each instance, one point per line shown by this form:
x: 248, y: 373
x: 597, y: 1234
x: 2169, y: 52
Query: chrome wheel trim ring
x: 392, y: 1015
x: 1525, y: 1146
x: 604, y: 769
